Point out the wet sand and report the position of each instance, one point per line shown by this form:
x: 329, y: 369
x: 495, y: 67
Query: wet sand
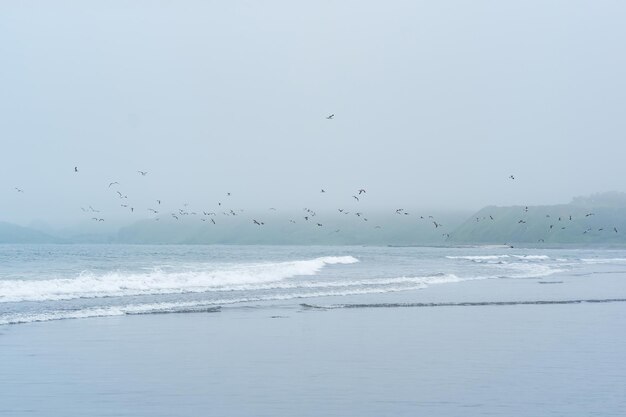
x: 286, y: 360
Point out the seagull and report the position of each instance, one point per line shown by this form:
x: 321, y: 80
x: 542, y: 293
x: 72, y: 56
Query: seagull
x: 143, y: 173
x: 257, y: 223
x: 512, y: 177
x: 113, y: 183
x: 319, y: 224
x: 292, y: 221
x: 153, y: 210
x: 213, y: 221
x: 361, y: 191
x: 75, y: 169
x: 355, y: 197
x: 521, y: 221
x: 19, y: 190
x: 590, y: 214
x: 436, y: 224
x: 174, y: 216
x: 330, y: 116
x: 491, y: 217
x: 159, y: 201
x: 323, y: 191
x: 615, y: 229
x: 124, y: 205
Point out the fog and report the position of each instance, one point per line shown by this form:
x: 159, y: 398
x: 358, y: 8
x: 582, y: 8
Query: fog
x: 436, y: 104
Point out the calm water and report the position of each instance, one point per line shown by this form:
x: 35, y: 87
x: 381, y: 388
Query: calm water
x: 311, y: 331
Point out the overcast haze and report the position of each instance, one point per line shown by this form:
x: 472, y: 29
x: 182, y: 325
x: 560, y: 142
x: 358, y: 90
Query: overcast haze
x: 435, y: 103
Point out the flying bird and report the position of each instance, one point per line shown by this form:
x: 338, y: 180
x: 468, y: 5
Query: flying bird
x: 330, y: 116
x: 512, y: 177
x: 75, y: 169
x: 19, y: 190
x: 361, y: 191
x: 143, y: 173
x: 113, y: 183
x: 355, y: 197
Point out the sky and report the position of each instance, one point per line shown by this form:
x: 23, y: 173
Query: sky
x: 435, y: 104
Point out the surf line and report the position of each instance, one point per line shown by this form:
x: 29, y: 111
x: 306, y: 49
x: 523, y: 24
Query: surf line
x: 462, y: 304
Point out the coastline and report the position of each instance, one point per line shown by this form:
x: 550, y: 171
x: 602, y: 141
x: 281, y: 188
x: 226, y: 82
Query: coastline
x: 280, y: 359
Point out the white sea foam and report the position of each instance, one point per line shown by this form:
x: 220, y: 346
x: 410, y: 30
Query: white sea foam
x: 478, y: 257
x: 530, y: 270
x: 132, y: 309
x: 157, y: 281
x: 603, y: 260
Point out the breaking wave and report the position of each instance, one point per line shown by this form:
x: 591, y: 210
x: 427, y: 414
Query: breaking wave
x: 157, y: 281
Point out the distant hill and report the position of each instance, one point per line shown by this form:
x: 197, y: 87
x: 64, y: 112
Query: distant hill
x: 586, y: 220
x: 11, y: 233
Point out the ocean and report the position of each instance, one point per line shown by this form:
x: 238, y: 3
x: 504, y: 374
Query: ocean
x: 299, y: 330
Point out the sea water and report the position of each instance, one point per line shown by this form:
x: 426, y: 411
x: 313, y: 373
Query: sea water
x: 108, y: 330
x: 51, y: 282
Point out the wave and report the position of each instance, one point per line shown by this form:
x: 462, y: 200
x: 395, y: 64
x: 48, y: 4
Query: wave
x: 603, y: 260
x: 182, y: 307
x: 463, y: 304
x: 480, y: 258
x: 157, y: 281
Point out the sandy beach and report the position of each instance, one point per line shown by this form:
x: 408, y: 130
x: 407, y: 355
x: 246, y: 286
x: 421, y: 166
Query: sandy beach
x: 285, y: 360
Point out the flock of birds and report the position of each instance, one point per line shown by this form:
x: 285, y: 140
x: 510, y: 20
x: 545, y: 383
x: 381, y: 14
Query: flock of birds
x: 211, y: 216
x: 309, y: 215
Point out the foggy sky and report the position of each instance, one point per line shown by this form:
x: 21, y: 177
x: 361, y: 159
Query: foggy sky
x: 436, y: 103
